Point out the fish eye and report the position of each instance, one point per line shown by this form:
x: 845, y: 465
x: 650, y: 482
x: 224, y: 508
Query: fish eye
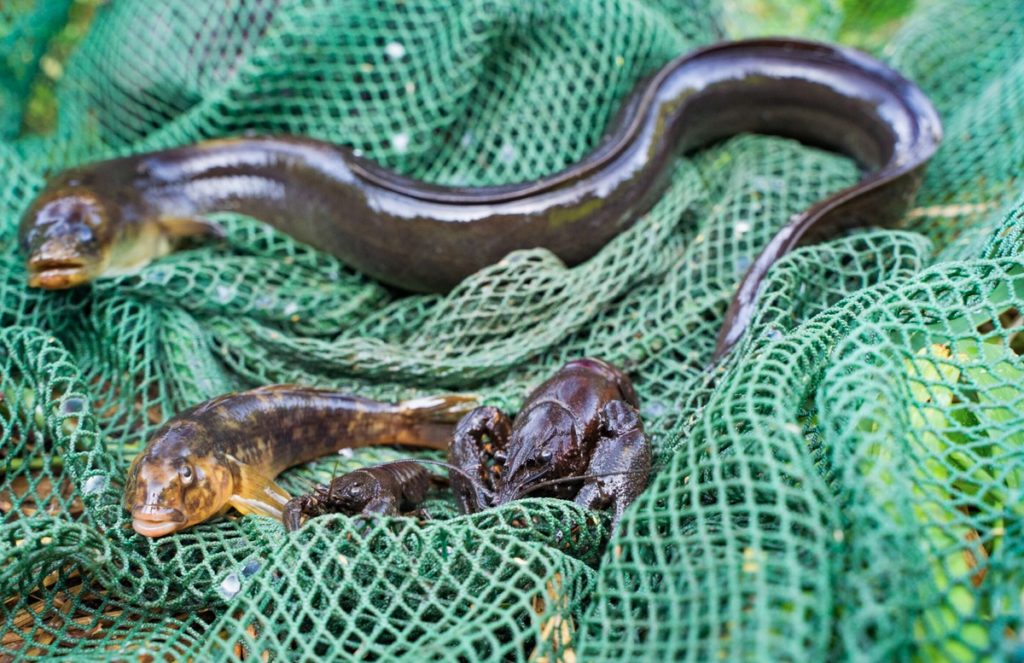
x: 84, y: 234
x: 185, y: 472
x: 91, y: 217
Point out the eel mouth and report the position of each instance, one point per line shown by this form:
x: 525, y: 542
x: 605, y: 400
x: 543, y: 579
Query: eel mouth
x: 154, y: 521
x: 57, y: 275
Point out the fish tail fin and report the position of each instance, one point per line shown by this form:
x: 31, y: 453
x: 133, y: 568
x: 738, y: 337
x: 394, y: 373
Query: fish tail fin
x: 448, y: 408
x: 430, y: 421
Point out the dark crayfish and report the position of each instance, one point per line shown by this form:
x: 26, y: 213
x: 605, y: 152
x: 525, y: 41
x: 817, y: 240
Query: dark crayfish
x: 381, y: 490
x: 581, y: 423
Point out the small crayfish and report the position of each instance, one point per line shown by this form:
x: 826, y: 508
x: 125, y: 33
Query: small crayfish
x: 578, y: 437
x: 380, y: 490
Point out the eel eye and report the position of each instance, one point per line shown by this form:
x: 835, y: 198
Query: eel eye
x: 185, y: 472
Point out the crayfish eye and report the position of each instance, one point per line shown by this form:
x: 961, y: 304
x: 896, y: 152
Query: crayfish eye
x: 547, y: 456
x: 186, y: 474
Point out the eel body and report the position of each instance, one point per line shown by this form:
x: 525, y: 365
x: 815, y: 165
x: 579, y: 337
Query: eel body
x: 115, y: 216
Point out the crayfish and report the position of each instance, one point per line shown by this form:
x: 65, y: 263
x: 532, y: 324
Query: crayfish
x: 578, y: 437
x: 381, y: 490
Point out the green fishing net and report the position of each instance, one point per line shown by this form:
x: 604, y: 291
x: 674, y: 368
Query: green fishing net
x: 849, y: 485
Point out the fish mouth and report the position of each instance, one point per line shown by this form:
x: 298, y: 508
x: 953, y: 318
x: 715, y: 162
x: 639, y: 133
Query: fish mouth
x: 57, y: 274
x: 153, y: 521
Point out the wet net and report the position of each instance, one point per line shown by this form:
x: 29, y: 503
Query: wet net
x: 848, y: 486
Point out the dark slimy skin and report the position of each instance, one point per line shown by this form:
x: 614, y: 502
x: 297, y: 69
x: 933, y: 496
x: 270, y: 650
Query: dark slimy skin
x: 117, y: 215
x: 381, y: 490
x: 227, y: 452
x: 582, y: 421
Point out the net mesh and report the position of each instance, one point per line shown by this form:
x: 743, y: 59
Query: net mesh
x: 847, y: 485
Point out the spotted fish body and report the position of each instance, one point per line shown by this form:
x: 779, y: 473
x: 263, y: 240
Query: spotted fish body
x: 227, y: 452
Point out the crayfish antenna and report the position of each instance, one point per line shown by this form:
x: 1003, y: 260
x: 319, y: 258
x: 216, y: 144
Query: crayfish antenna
x: 330, y: 486
x: 582, y: 477
x: 461, y: 472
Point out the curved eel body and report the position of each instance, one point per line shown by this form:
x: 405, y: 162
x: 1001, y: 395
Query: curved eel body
x: 226, y: 452
x: 117, y: 215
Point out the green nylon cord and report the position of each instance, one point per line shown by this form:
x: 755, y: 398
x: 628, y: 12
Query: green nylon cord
x: 847, y: 486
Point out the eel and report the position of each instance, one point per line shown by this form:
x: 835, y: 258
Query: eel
x: 227, y: 452
x: 114, y: 216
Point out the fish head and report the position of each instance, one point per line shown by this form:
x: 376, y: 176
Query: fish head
x: 67, y: 234
x: 170, y: 487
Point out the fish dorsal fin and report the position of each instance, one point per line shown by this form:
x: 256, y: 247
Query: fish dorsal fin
x: 289, y: 386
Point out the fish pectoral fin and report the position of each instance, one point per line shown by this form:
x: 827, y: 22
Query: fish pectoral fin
x: 261, y: 496
x: 186, y: 226
x: 248, y: 506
